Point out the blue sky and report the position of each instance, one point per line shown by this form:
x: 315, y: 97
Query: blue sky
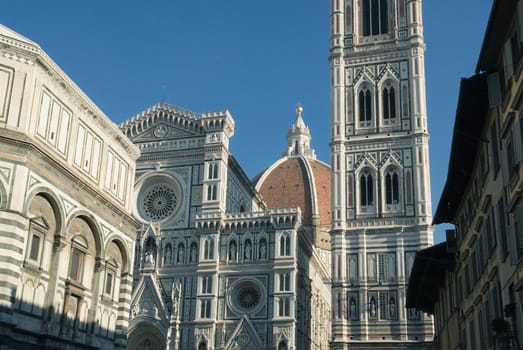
x: 257, y: 59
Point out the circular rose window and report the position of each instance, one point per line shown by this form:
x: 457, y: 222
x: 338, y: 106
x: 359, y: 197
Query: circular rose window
x: 159, y: 202
x: 159, y: 198
x: 246, y: 296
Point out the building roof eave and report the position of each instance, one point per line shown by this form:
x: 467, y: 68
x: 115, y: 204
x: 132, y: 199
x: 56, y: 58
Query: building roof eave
x: 497, y: 28
x: 427, y: 276
x: 469, y: 123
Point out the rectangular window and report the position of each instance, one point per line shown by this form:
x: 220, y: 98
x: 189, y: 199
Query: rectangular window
x: 205, y: 309
x: 211, y: 192
x: 213, y: 171
x: 35, y: 247
x: 284, y: 307
x: 75, y: 265
x: 109, y: 283
x: 207, y: 284
x: 285, y: 283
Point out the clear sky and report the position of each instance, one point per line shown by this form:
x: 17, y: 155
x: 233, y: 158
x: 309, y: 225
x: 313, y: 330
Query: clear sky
x: 257, y: 59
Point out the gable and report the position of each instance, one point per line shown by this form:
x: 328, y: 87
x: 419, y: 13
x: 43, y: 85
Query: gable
x: 147, y: 302
x: 244, y: 337
x: 163, y: 122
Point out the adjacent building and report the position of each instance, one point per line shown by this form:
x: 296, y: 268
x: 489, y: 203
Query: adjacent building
x: 217, y: 266
x: 473, y: 282
x: 66, y: 227
x: 381, y: 200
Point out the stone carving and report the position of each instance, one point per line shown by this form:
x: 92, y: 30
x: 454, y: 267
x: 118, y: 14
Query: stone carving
x: 175, y: 297
x: 263, y: 249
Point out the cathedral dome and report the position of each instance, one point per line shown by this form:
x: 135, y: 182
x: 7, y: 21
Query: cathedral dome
x: 298, y: 179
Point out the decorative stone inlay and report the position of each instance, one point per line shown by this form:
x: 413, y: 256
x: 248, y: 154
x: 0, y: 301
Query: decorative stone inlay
x: 243, y: 339
x: 161, y: 131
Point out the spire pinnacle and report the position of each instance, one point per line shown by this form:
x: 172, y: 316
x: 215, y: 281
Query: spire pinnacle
x: 299, y: 138
x: 299, y: 109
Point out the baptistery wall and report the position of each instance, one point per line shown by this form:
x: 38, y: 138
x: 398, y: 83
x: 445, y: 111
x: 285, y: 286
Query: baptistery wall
x: 66, y: 225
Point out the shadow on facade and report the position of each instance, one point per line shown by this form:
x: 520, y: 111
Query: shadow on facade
x: 28, y: 326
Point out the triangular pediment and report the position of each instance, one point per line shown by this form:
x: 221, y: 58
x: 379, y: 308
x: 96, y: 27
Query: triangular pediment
x: 162, y: 131
x: 244, y: 337
x: 40, y: 221
x: 147, y: 303
x: 163, y: 122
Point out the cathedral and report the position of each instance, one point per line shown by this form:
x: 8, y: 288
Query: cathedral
x: 222, y: 262
x: 149, y: 234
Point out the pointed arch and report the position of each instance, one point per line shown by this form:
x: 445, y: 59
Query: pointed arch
x: 364, y: 99
x: 392, y: 186
x: 366, y: 188
x: 389, y: 100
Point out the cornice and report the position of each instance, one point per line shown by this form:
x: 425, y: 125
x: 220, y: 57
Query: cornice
x: 32, y: 54
x: 30, y: 153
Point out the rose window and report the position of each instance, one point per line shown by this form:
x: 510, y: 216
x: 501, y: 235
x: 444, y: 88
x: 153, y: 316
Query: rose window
x: 248, y: 297
x: 159, y: 202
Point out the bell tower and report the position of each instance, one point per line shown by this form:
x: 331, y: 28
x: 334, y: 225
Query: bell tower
x: 381, y: 204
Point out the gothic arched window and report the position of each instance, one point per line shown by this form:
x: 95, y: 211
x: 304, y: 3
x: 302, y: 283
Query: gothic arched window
x: 391, y: 187
x: 202, y: 346
x: 366, y: 190
x: 365, y: 107
x: 375, y: 19
x: 282, y: 345
x: 389, y: 104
